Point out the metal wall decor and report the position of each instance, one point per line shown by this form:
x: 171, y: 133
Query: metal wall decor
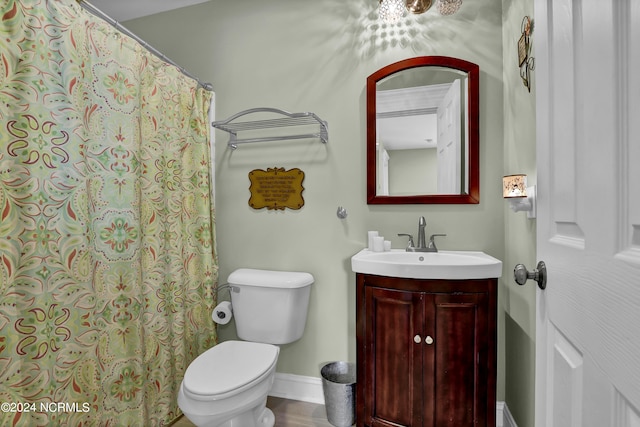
x: 276, y: 188
x: 525, y: 61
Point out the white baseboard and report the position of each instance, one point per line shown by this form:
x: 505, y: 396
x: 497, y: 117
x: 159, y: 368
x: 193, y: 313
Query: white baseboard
x: 503, y: 416
x: 297, y: 387
x: 309, y: 389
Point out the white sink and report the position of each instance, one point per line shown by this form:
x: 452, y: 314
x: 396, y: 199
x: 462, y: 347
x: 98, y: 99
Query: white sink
x: 447, y: 265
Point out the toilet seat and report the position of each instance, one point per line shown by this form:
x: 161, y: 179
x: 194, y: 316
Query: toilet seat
x: 229, y: 368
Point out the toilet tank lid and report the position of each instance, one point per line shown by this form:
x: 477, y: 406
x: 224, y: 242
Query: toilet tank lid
x: 270, y: 278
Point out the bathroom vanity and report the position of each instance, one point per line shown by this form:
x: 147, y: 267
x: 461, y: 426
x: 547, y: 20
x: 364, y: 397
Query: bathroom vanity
x: 426, y: 346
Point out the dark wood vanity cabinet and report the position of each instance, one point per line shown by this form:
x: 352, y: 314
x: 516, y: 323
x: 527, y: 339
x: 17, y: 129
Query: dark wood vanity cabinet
x: 426, y: 352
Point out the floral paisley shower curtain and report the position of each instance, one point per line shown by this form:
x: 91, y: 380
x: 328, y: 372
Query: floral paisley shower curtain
x: 107, y: 260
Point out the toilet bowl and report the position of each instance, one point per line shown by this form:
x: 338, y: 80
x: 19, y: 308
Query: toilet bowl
x: 227, y: 385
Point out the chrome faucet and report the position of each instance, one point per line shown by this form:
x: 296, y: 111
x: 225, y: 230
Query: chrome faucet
x: 422, y: 245
x: 422, y: 224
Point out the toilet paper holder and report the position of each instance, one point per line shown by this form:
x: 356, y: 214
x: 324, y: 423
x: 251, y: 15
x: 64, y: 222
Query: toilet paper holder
x: 228, y: 286
x: 222, y: 313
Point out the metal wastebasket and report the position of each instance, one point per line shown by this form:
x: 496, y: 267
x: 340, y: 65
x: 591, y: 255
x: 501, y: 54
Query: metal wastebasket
x: 339, y: 387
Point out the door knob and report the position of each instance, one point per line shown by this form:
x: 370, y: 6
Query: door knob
x: 521, y: 274
x: 417, y: 339
x: 428, y: 340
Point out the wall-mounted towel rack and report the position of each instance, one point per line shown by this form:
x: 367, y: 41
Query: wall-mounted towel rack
x: 300, y: 121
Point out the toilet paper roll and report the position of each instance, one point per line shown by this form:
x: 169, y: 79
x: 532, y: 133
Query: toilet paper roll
x: 222, y: 313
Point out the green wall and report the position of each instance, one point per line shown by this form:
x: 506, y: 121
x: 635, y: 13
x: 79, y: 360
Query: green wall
x: 520, y: 232
x: 315, y: 56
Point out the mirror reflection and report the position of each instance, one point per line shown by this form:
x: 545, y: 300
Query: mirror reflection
x: 422, y: 129
x: 421, y: 137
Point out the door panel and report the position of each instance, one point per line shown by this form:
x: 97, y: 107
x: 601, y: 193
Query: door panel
x: 567, y: 364
x: 629, y: 18
x: 588, y: 321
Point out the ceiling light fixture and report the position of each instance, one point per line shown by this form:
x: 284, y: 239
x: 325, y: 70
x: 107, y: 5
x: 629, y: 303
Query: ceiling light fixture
x: 419, y: 6
x: 449, y: 7
x: 391, y: 11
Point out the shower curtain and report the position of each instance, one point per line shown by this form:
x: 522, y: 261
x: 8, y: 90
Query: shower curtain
x: 107, y: 251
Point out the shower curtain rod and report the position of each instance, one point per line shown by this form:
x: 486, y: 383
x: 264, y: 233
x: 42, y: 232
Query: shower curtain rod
x: 100, y: 14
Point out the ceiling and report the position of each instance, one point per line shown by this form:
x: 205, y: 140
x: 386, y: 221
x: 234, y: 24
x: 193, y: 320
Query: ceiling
x: 406, y: 118
x: 124, y: 10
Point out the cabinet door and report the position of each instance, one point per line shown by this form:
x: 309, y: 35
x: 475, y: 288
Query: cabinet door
x: 455, y: 374
x: 393, y: 357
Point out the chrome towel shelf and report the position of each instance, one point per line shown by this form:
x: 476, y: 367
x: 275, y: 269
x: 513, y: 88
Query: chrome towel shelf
x: 308, y: 126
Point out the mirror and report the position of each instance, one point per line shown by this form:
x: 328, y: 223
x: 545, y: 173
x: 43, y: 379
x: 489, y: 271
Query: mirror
x: 423, y: 132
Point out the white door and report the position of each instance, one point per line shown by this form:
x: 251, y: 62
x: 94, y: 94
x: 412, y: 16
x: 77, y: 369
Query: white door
x: 383, y: 172
x: 449, y: 141
x: 587, y: 68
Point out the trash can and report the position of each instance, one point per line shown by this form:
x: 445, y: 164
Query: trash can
x: 339, y: 387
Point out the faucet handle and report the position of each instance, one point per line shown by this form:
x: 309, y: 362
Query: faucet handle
x: 432, y: 243
x: 410, y: 245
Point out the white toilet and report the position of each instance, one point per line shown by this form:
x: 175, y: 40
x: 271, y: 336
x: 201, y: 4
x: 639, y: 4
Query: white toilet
x: 227, y: 385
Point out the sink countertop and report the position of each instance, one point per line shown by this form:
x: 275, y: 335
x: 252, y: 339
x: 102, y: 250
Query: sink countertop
x: 444, y: 265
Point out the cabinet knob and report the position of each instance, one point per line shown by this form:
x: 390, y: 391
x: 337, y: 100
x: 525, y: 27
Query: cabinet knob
x: 417, y: 339
x: 428, y: 340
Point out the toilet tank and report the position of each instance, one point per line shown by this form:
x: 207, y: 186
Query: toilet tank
x: 270, y: 306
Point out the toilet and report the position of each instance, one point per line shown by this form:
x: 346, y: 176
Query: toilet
x: 227, y: 385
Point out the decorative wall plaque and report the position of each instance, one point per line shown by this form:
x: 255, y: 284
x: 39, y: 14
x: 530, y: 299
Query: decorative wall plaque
x: 276, y: 188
